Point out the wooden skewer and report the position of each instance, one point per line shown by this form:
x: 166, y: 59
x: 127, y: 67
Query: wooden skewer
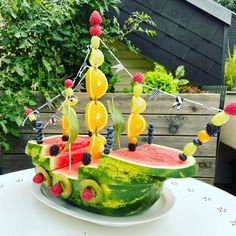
x: 118, y: 136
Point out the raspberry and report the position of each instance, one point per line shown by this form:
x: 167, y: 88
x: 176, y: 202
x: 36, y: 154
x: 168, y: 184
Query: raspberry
x: 95, y: 30
x: 138, y: 77
x: 87, y: 194
x: 95, y: 18
x: 28, y: 111
x: 231, y: 109
x: 38, y: 178
x: 56, y: 189
x: 68, y: 83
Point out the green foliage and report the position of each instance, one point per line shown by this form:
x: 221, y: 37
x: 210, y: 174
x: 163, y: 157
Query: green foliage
x: 230, y: 4
x: 230, y: 70
x: 44, y: 42
x: 118, y: 120
x: 164, y: 80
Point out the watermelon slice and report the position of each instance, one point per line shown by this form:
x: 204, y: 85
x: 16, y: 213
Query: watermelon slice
x: 41, y: 155
x: 153, y: 160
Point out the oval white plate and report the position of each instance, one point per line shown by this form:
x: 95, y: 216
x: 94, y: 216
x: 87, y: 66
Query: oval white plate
x: 159, y: 209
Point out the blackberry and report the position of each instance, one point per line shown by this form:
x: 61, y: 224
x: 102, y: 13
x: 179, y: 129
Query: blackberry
x: 197, y: 142
x: 107, y: 146
x: 182, y: 157
x: 65, y: 138
x: 86, y: 158
x: 54, y: 150
x: 212, y: 130
x: 109, y: 141
x: 132, y: 147
x: 149, y: 140
x: 90, y: 134
x: 151, y: 126
x: 150, y: 130
x: 110, y: 136
x: 106, y: 151
x: 110, y: 129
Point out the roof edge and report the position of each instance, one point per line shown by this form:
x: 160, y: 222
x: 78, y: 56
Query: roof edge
x: 214, y: 9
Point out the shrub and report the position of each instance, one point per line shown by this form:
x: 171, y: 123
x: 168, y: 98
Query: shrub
x: 164, y: 80
x: 44, y: 42
x: 230, y: 70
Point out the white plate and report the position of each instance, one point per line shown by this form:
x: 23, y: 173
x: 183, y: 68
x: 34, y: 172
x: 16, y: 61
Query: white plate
x: 159, y: 209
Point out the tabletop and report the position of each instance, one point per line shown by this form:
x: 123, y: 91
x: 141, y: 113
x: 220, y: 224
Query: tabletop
x: 200, y: 209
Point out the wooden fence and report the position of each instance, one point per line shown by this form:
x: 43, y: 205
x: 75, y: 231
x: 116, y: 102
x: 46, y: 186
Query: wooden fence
x: 173, y: 129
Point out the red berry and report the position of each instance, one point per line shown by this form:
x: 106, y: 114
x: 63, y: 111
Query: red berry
x: 95, y: 18
x: 56, y: 189
x: 38, y: 178
x: 68, y: 83
x: 28, y: 111
x: 138, y: 77
x: 231, y: 109
x: 87, y: 195
x: 95, y: 30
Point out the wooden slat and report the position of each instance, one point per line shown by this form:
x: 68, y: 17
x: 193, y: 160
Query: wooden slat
x: 207, y: 180
x: 164, y: 124
x: 208, y: 150
x: 162, y: 106
x: 206, y: 167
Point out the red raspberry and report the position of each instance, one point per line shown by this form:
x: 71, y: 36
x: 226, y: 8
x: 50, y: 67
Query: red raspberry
x: 68, y: 83
x: 231, y: 109
x: 28, y: 111
x: 95, y: 18
x: 56, y: 189
x: 38, y: 178
x: 87, y: 195
x: 95, y: 30
x: 138, y: 77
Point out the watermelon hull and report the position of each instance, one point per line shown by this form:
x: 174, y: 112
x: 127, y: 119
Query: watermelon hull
x: 123, y: 183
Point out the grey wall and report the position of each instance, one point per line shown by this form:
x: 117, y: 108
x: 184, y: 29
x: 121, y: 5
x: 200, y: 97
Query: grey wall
x: 186, y: 36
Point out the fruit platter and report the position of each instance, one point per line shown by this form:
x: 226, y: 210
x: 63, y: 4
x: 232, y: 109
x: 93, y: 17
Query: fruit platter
x: 93, y: 172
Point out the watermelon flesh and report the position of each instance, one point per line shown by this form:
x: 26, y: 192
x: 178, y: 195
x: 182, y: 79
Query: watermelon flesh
x: 126, y: 182
x: 40, y: 153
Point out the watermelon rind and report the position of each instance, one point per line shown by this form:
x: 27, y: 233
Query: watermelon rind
x: 112, y: 164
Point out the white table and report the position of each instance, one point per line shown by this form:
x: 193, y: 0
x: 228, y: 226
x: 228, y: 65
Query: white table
x: 200, y: 210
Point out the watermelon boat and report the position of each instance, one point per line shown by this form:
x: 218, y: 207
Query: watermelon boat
x: 87, y: 171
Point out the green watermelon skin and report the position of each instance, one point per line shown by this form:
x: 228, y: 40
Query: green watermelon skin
x: 129, y: 186
x: 119, y: 199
